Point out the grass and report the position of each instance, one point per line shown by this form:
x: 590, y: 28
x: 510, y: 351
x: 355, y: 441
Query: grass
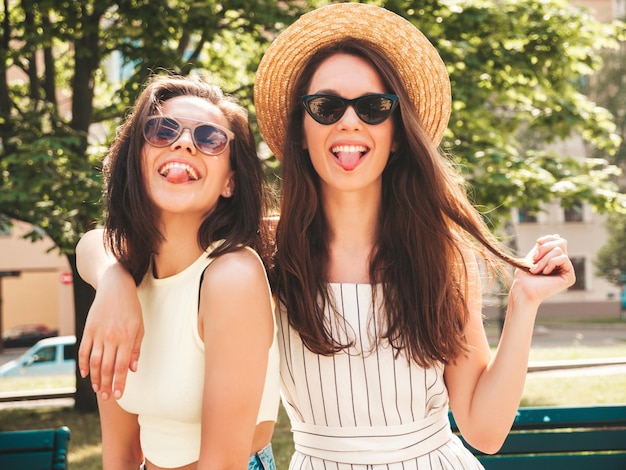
x: 13, y: 384
x: 565, y: 389
x: 577, y: 352
x: 574, y: 390
x: 539, y: 391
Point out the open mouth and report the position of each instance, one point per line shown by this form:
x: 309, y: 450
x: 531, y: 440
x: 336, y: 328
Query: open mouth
x: 349, y: 155
x: 176, y: 172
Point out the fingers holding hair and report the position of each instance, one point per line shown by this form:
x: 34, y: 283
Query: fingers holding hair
x: 549, y: 256
x: 551, y: 271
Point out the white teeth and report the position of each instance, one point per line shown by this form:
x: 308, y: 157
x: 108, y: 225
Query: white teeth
x: 349, y: 148
x: 165, y: 169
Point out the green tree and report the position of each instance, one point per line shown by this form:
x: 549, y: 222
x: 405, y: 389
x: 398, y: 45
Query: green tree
x: 609, y: 90
x: 610, y: 261
x: 518, y: 71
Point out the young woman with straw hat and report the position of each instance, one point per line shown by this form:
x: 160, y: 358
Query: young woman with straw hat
x: 376, y: 271
x: 376, y: 275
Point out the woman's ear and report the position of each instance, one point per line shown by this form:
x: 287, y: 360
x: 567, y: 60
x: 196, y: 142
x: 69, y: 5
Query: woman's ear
x: 229, y: 187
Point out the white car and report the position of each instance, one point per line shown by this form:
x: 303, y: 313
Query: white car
x: 50, y: 356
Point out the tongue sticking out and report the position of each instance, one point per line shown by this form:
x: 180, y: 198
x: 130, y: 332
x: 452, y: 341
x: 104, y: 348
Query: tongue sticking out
x: 177, y: 175
x: 176, y: 172
x: 348, y: 160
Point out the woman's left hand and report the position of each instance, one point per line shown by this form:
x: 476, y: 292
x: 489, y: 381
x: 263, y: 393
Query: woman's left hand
x: 551, y: 270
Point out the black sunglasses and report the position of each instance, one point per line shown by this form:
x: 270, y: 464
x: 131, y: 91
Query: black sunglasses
x: 209, y: 138
x: 371, y: 109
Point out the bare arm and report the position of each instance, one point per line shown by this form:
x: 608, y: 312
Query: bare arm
x: 485, y: 392
x: 121, y: 449
x: 92, y: 259
x: 237, y: 325
x: 114, y: 327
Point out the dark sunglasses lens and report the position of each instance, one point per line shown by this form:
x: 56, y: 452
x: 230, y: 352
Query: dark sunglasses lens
x: 374, y: 109
x: 326, y: 109
x: 210, y: 139
x: 161, y: 131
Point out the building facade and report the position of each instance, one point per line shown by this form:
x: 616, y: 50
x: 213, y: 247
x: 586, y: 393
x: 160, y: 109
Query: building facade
x: 35, y: 283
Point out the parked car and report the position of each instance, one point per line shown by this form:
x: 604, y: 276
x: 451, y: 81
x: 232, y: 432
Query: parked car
x: 25, y: 336
x: 50, y: 356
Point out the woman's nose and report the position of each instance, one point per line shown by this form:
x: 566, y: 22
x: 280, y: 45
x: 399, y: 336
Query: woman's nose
x: 185, y: 140
x: 350, y: 119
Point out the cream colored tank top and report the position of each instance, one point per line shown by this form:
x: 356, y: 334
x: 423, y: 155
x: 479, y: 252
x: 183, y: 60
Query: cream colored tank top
x: 166, y: 390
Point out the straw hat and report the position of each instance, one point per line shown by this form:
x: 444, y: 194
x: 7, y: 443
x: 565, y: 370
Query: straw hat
x: 416, y: 60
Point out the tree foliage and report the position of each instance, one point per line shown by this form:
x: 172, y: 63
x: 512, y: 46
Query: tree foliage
x: 519, y: 72
x: 609, y: 90
x: 610, y: 262
x: 70, y: 70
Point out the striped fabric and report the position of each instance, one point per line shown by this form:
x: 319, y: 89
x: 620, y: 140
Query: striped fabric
x: 364, y: 409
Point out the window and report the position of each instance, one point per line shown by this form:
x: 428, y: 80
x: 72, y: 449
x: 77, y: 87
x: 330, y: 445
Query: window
x: 46, y: 354
x: 574, y: 213
x: 69, y: 352
x: 579, y: 270
x: 526, y: 216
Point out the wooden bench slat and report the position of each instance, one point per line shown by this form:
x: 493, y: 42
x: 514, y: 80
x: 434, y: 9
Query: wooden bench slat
x: 17, y: 441
x: 565, y: 416
x: 547, y: 438
x: 552, y: 462
x: 538, y: 417
x: 39, y: 449
x: 30, y: 461
x: 562, y: 441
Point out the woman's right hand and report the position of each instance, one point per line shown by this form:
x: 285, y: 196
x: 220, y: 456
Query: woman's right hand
x: 114, y: 327
x: 112, y: 335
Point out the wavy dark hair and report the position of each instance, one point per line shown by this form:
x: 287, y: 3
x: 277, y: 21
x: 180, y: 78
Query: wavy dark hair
x: 132, y: 219
x: 426, y: 222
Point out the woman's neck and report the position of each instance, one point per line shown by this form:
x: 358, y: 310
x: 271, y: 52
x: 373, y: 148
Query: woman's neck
x: 353, y: 225
x: 179, y: 249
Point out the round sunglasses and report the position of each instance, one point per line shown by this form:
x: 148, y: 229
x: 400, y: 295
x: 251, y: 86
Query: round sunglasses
x: 371, y: 109
x: 209, y: 138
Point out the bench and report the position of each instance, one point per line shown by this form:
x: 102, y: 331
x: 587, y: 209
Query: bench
x: 548, y: 438
x: 38, y: 449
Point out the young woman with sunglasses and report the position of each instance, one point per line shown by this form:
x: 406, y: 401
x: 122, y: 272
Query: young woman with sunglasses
x: 376, y: 273
x: 184, y: 205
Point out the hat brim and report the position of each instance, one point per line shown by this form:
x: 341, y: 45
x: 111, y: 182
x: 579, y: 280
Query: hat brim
x: 416, y: 60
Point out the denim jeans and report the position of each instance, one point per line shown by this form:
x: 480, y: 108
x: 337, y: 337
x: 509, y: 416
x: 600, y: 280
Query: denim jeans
x: 263, y: 459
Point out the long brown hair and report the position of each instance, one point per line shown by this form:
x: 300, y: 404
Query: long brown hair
x: 425, y: 224
x: 131, y: 224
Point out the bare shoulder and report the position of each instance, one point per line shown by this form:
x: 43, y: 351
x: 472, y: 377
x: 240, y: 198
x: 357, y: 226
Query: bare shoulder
x: 234, y: 270
x: 235, y: 292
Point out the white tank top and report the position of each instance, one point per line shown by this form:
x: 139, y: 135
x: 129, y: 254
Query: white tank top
x: 166, y: 391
